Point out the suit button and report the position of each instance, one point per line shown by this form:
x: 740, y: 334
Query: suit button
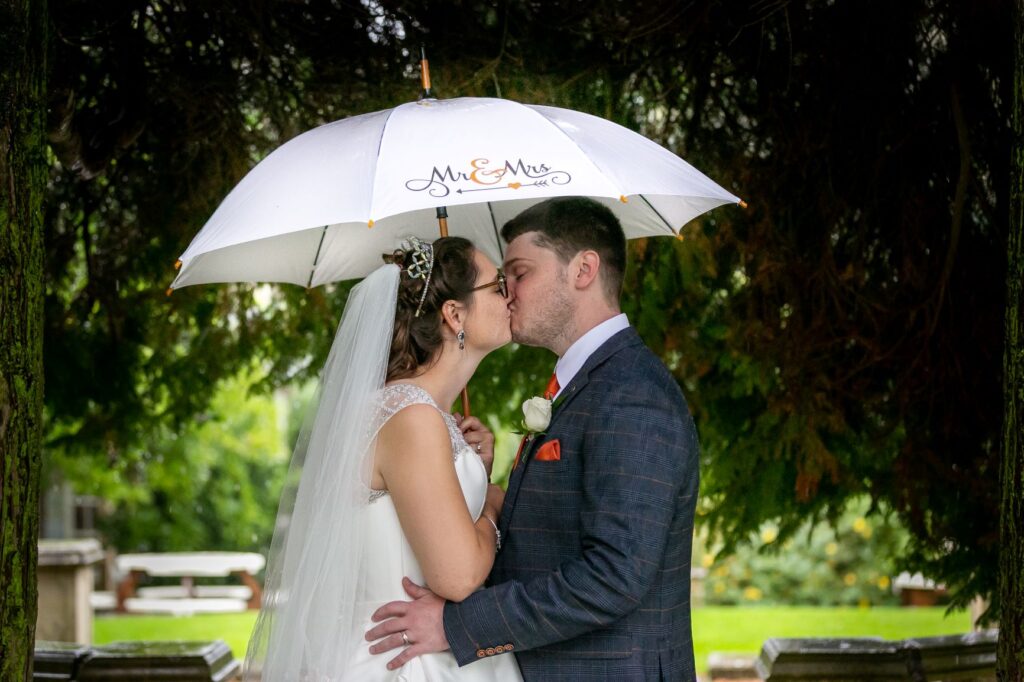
x: 508, y: 647
x: 480, y: 653
x: 499, y: 649
x: 490, y: 651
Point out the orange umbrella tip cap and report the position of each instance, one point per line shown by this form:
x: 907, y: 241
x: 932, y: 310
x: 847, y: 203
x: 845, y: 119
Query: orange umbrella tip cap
x: 170, y: 290
x: 369, y: 224
x: 623, y: 199
x: 743, y: 204
x: 177, y: 264
x: 679, y: 236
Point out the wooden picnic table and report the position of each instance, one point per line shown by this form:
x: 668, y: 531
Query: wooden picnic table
x: 188, y: 566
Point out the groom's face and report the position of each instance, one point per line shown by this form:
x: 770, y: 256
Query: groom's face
x: 539, y: 297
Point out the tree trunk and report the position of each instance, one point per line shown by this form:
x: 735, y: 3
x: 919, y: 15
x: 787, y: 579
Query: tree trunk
x: 23, y: 174
x: 1011, y: 525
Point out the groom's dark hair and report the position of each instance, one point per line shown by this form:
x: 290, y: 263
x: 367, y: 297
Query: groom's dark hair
x: 568, y: 225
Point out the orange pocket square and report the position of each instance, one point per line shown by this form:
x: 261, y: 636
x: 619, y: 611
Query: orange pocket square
x: 549, y: 452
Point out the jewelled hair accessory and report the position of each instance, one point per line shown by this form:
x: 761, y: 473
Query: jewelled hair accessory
x: 421, y: 264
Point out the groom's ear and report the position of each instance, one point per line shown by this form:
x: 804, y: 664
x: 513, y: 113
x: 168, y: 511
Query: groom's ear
x: 586, y: 268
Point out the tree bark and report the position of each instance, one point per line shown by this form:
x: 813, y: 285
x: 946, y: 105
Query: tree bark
x: 23, y: 174
x: 1010, y: 664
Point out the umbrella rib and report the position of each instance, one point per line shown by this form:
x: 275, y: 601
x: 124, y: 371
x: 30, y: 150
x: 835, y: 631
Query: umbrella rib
x: 651, y: 206
x: 376, y: 161
x: 576, y: 144
x: 494, y: 224
x: 316, y: 258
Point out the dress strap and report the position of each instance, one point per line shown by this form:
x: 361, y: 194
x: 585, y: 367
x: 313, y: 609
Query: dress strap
x: 393, y: 399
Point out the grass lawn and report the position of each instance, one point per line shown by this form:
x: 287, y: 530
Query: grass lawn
x: 744, y: 629
x: 233, y: 628
x: 715, y: 628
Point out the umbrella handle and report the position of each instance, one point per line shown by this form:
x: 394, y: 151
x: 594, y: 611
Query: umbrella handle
x: 465, y: 402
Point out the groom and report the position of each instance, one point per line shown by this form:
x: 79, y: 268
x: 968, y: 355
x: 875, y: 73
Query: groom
x: 593, y: 578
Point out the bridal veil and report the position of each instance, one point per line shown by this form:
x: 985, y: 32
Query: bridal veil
x: 304, y: 628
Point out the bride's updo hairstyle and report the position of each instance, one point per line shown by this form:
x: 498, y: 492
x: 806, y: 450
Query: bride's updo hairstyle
x: 417, y: 340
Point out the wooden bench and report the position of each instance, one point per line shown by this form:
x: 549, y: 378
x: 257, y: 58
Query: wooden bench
x: 188, y: 597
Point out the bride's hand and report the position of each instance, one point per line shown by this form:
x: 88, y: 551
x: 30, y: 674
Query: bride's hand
x: 479, y: 437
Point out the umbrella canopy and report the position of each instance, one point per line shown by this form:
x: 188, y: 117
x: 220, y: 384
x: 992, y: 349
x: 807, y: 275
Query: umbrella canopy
x: 324, y: 206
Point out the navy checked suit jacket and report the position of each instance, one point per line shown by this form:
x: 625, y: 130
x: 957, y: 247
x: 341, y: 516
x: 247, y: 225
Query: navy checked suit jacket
x: 593, y: 580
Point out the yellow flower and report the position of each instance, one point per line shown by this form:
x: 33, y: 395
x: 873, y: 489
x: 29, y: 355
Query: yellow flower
x: 721, y: 572
x: 883, y: 582
x: 768, y: 535
x: 707, y: 560
x: 859, y: 525
x: 831, y: 549
x: 752, y: 594
x: 850, y: 579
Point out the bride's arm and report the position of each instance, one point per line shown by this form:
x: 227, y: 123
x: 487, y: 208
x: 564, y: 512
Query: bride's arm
x: 414, y: 457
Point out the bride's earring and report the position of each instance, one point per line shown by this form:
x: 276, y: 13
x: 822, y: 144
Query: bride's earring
x: 461, y: 336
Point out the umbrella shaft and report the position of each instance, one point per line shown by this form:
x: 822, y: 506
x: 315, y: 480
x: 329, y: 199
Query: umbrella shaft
x: 442, y: 220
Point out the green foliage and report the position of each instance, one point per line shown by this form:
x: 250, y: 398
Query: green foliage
x: 211, y: 487
x: 851, y: 564
x: 839, y: 338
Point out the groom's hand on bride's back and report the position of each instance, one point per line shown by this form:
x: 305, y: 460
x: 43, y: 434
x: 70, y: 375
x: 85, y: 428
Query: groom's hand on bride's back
x: 422, y: 621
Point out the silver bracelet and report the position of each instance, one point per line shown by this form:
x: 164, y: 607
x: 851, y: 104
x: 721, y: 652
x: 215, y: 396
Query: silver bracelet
x: 497, y: 533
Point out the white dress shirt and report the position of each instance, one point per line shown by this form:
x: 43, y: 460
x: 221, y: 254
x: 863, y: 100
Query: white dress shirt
x: 576, y: 356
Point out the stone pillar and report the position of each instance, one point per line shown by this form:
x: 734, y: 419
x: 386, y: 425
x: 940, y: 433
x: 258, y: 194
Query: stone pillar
x: 65, y: 584
x: 977, y: 607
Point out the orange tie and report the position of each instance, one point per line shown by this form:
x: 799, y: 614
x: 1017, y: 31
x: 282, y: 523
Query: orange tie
x: 552, y: 389
x: 549, y: 393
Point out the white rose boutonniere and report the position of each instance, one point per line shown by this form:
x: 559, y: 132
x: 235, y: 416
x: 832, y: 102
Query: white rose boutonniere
x: 536, y: 414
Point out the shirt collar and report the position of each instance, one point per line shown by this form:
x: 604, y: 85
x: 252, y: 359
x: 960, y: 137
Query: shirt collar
x: 579, y: 352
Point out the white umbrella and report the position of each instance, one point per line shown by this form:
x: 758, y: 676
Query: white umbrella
x: 324, y: 206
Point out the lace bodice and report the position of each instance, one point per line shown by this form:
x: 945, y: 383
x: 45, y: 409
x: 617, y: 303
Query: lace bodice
x: 392, y: 399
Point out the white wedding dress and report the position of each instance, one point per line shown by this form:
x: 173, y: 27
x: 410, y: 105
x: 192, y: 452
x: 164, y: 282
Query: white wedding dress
x: 387, y: 557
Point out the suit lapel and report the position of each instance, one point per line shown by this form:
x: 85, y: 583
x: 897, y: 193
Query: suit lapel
x: 626, y: 337
x: 623, y: 339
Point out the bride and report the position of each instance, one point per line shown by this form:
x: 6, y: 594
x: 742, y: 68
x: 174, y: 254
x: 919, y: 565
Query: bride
x: 384, y: 482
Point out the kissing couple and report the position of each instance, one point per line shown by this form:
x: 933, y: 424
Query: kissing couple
x: 394, y: 558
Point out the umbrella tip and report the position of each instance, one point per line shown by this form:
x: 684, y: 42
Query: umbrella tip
x: 170, y: 290
x: 177, y: 264
x: 623, y: 199
x: 369, y: 224
x: 679, y: 236
x: 425, y: 74
x: 743, y: 204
